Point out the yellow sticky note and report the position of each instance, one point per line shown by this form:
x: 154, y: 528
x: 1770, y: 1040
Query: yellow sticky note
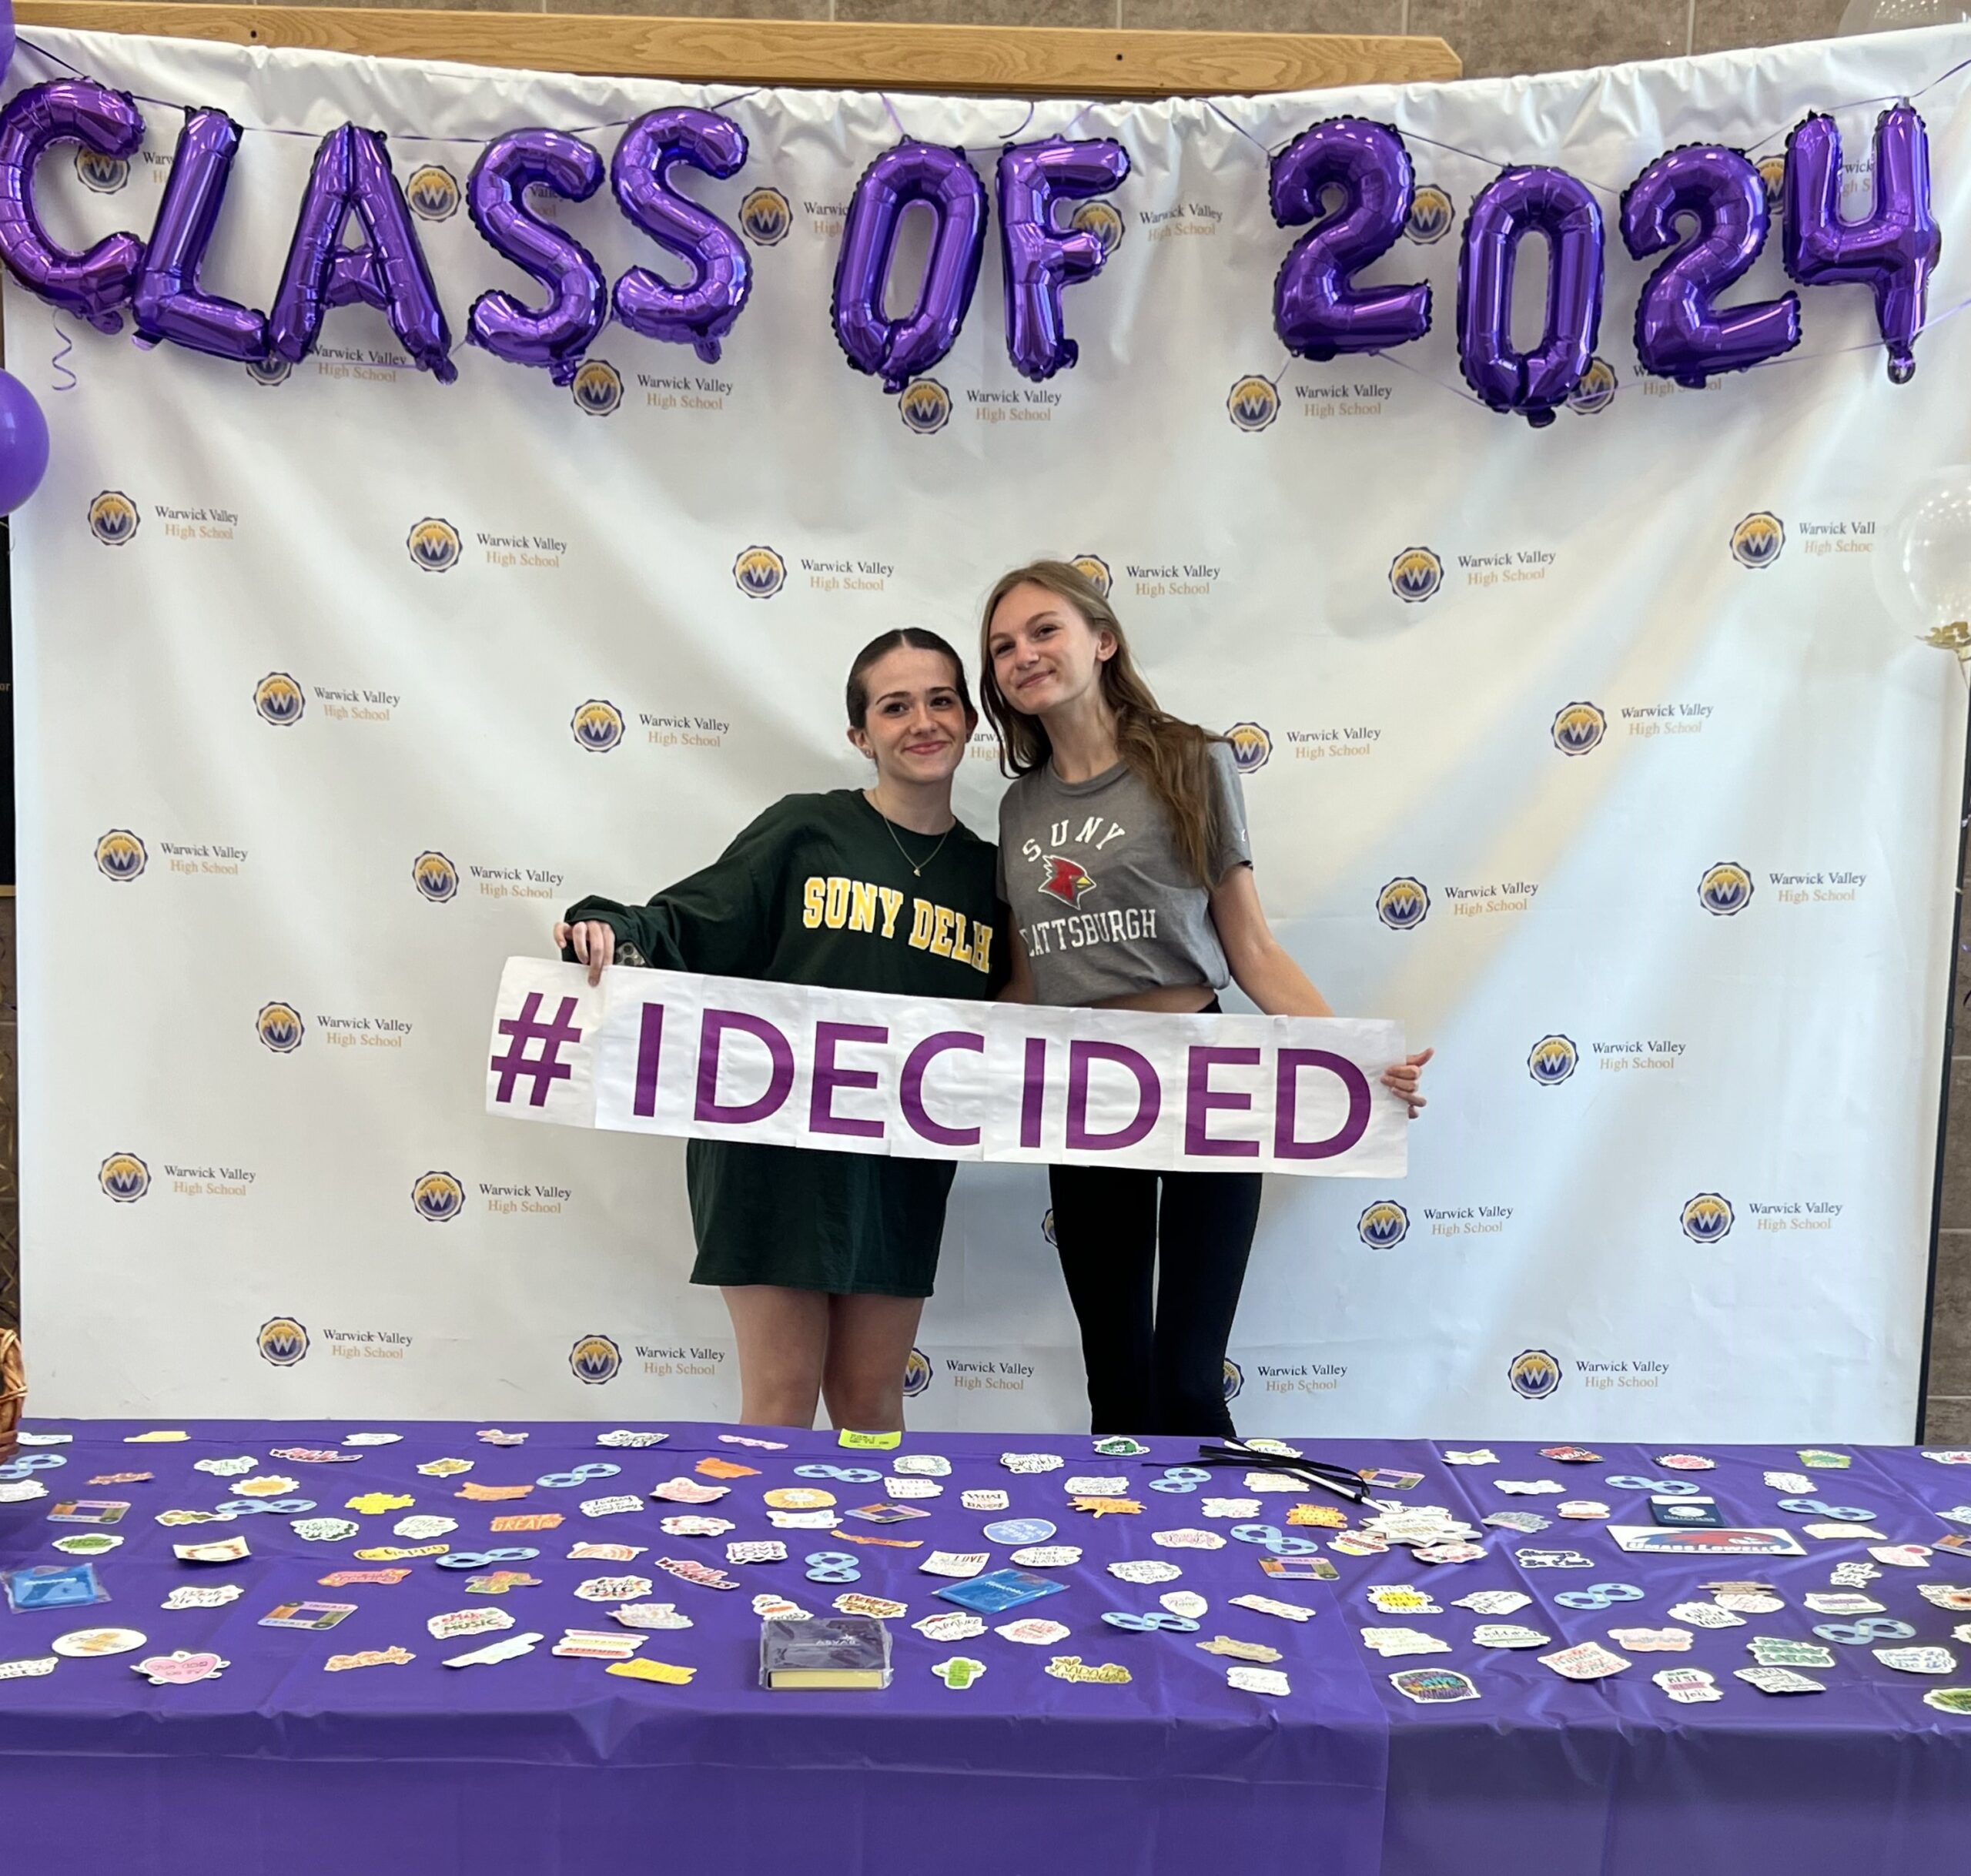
x: 155, y: 1439
x: 870, y: 1442
x: 652, y: 1670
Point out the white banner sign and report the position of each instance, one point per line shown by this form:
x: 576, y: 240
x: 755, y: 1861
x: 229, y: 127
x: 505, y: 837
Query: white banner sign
x: 1587, y: 751
x: 925, y: 1078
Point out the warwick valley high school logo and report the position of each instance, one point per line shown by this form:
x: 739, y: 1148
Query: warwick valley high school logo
x: 1066, y: 881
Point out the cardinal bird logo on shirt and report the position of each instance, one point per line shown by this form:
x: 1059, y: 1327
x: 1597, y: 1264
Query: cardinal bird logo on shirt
x: 1066, y: 881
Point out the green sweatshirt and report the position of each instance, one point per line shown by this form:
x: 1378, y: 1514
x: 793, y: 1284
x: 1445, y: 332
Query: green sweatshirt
x: 820, y: 890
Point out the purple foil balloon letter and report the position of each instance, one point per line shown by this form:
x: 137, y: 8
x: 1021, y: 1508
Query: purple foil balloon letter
x: 1518, y: 203
x: 898, y: 350
x: 1678, y: 333
x: 93, y: 285
x: 1316, y: 311
x: 496, y: 198
x: 701, y: 312
x: 1039, y: 262
x: 167, y: 303
x: 1892, y: 252
x: 352, y: 175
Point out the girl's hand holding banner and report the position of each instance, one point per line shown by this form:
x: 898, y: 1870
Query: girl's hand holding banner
x: 735, y: 1058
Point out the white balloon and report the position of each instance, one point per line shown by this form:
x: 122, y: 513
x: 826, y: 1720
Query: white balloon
x: 1922, y: 560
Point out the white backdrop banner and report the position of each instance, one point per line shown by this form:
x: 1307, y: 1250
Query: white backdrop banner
x: 1586, y: 753
x: 930, y: 1077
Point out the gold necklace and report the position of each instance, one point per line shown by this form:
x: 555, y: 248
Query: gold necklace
x: 916, y: 869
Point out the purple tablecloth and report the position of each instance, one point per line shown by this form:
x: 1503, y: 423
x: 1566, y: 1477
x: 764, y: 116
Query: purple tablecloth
x: 542, y: 1764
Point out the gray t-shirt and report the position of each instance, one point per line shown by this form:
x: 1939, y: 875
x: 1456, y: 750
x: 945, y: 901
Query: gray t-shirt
x: 1103, y: 902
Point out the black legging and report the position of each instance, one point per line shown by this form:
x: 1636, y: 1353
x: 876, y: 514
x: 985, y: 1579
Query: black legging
x: 1164, y: 1372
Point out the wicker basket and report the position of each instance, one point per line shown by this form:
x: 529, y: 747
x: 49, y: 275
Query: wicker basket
x: 13, y: 1389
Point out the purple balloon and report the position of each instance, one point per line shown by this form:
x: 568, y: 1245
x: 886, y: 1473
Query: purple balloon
x: 496, y: 198
x: 1039, y: 262
x: 167, y: 303
x: 898, y: 350
x: 352, y: 175
x: 1318, y: 311
x: 93, y: 285
x: 700, y: 313
x: 1516, y: 203
x: 23, y: 443
x: 1892, y: 251
x: 1678, y: 333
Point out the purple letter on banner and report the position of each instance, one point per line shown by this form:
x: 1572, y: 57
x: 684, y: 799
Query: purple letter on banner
x: 1150, y: 1097
x: 1033, y: 1090
x: 821, y: 1116
x: 711, y: 1034
x: 1201, y: 1099
x: 547, y: 1067
x: 1292, y: 1061
x: 650, y: 1045
x: 911, y: 1090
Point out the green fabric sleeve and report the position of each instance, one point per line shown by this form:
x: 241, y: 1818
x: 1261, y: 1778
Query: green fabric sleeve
x: 721, y: 919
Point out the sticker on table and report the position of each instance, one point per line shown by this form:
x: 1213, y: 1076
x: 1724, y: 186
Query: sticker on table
x: 665, y: 1673
x: 960, y: 1672
x: 1789, y: 1482
x: 1816, y: 1458
x: 1930, y: 1661
x: 424, y: 1525
x: 323, y: 1530
x: 1476, y: 1456
x: 1571, y: 1456
x: 1652, y: 1640
x: 1853, y: 1574
x: 1853, y: 1602
x: 86, y: 1643
x: 181, y: 1668
x: 1852, y: 1533
x: 1048, y: 1555
x: 1320, y: 1517
x: 1120, y: 1446
x: 736, y: 1439
x: 1265, y: 1605
x: 1945, y: 1700
x: 370, y: 1439
x: 29, y: 1669
x: 1752, y: 1541
x: 440, y: 1468
x: 307, y: 1615
x: 1389, y: 1480
x: 1778, y: 1680
x: 712, y: 1466
x: 1526, y: 1523
x: 162, y: 1436
x: 1241, y: 1508
x: 145, y: 1478
x: 1236, y: 1650
x: 1432, y: 1686
x: 869, y: 1442
x: 1901, y: 1556
x: 960, y: 1563
x: 653, y: 1615
x: 783, y: 1498
x: 1492, y: 1602
x: 583, y: 1644
x: 224, y: 1550
x: 1032, y: 1461
x: 1784, y: 1651
x: 1687, y: 1462
x: 226, y: 1468
x: 691, y: 1492
x: 517, y: 1521
x: 620, y: 1553
x: 1749, y: 1602
x: 1019, y: 1530
x: 880, y: 1512
x: 1530, y: 1488
x: 1388, y: 1642
x: 1000, y: 1589
x: 1705, y: 1615
x: 1553, y: 1559
x: 88, y: 1510
x: 499, y: 1582
x: 1247, y: 1680
x: 27, y: 1439
x: 19, y: 1491
x: 1072, y: 1667
x: 756, y: 1551
x: 1188, y: 1540
x: 1143, y: 1570
x: 396, y: 1552
x: 853, y: 1603
x: 1941, y: 1595
x: 1034, y: 1631
x: 1186, y: 1603
x: 1090, y: 1486
x: 195, y: 1596
x: 614, y: 1589
x: 1108, y: 1507
x: 1274, y: 1482
x: 340, y: 1579
x: 1586, y: 1660
x: 87, y: 1543
x: 481, y: 1621
x: 1300, y: 1569
x: 52, y: 1585
x: 509, y: 1648
x: 1452, y: 1550
x: 1508, y: 1635
x: 614, y: 1506
x: 624, y: 1437
x: 374, y: 1504
x: 391, y: 1657
x: 491, y: 1494
x: 954, y: 1626
x: 1398, y: 1599
x: 922, y: 1465
x: 1581, y: 1508
x: 991, y: 1500
x: 768, y: 1607
x: 690, y: 1570
x: 690, y: 1524
x: 913, y: 1488
x: 1689, y: 1686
